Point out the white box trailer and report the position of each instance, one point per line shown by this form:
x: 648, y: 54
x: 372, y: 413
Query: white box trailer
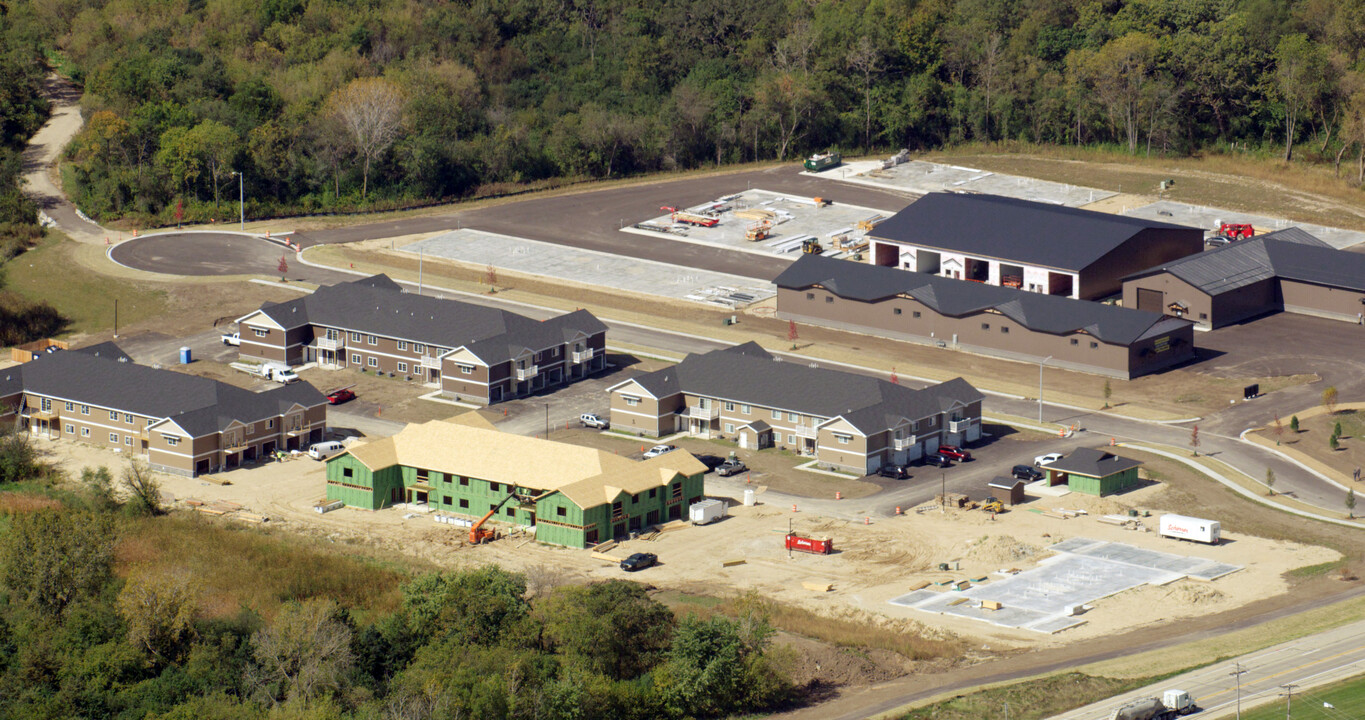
x: 1190, y: 528
x: 707, y: 511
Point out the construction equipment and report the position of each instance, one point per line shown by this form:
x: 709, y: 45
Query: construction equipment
x: 1236, y: 231
x: 690, y: 218
x: 812, y: 247
x: 1172, y: 703
x: 758, y: 231
x: 477, y: 533
x: 993, y: 505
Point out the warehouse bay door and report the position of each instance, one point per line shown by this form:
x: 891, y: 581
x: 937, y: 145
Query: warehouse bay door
x: 1151, y: 300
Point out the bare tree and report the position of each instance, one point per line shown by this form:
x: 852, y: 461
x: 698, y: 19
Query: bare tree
x: 144, y: 488
x: 865, y: 59
x: 371, y: 110
x: 303, y: 653
x: 788, y: 98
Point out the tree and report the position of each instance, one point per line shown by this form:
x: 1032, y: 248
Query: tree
x: 179, y: 155
x: 144, y: 488
x: 303, y: 653
x: 614, y: 626
x: 477, y: 607
x: 216, y: 145
x: 792, y: 335
x: 787, y: 98
x: 1350, y: 502
x: 371, y: 110
x: 283, y: 266
x: 713, y: 669
x: 20, y: 459
x: 490, y: 276
x: 53, y: 558
x: 1118, y: 74
x: 1277, y: 429
x: 1333, y: 443
x: 1108, y: 393
x: 1270, y: 481
x: 1336, y: 429
x: 1294, y: 423
x: 1329, y: 400
x: 99, y: 489
x: 1301, y: 71
x: 865, y: 59
x: 159, y: 607
x: 1194, y: 440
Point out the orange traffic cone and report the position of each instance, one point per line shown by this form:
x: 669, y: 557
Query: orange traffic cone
x: 838, y: 495
x: 793, y: 507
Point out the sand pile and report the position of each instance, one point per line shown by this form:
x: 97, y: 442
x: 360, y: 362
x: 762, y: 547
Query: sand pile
x: 1001, y: 550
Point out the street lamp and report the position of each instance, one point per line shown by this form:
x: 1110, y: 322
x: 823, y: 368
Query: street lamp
x: 1040, y: 387
x: 241, y: 200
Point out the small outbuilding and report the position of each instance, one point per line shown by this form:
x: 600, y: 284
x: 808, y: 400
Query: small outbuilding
x: 1009, y: 490
x: 1093, y: 472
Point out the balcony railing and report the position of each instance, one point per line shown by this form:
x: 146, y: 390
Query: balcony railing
x: 904, y: 443
x: 806, y: 431
x: 957, y: 426
x: 325, y: 343
x: 527, y: 373
x: 710, y: 412
x: 582, y: 356
x: 431, y: 362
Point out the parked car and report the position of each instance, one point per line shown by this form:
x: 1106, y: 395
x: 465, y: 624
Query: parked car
x: 658, y: 450
x: 955, y: 453
x: 934, y: 458
x: 1047, y: 459
x: 895, y: 472
x: 639, y: 561
x: 233, y: 339
x: 593, y: 420
x: 1026, y: 473
x: 711, y: 461
x: 337, y: 397
x: 731, y: 467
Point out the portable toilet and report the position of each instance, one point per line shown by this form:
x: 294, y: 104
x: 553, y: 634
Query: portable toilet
x: 184, y: 355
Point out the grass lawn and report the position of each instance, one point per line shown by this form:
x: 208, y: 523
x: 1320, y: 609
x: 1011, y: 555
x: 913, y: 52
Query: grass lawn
x: 48, y: 273
x: 1026, y: 700
x: 1347, y: 699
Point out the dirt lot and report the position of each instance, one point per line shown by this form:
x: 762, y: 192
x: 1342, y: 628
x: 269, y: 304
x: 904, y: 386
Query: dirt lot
x: 1310, y: 444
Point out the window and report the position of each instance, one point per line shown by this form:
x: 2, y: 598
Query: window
x: 347, y: 472
x: 445, y: 499
x: 85, y: 409
x: 173, y: 440
x: 251, y: 428
x: 372, y: 339
x: 985, y: 326
x: 402, y: 367
x: 270, y: 424
x: 259, y: 332
x: 791, y: 439
x: 128, y: 440
x: 465, y: 369
x: 653, y: 493
x: 630, y: 401
x: 895, y: 311
x: 810, y: 296
x: 1074, y: 341
x: 729, y: 427
x: 561, y: 512
x: 777, y: 414
x: 149, y: 422
x: 113, y: 438
x: 1004, y: 329
x: 372, y: 361
x: 70, y: 429
x: 113, y: 415
x: 914, y: 314
x: 494, y: 487
x: 70, y: 407
x: 1094, y: 345
x: 355, y: 359
x: 419, y: 347
x: 421, y: 475
x: 85, y: 432
x: 677, y: 490
x: 791, y: 417
x: 843, y: 439
x: 1203, y: 316
x: 745, y: 409
x: 537, y: 357
x: 829, y: 298
x: 634, y: 499
x: 355, y: 337
x: 128, y: 418
x: 464, y: 503
x: 464, y: 481
x: 403, y: 345
x: 914, y: 426
x: 729, y: 406
x: 511, y: 512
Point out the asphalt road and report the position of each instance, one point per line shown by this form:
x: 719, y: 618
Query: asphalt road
x: 1306, y: 662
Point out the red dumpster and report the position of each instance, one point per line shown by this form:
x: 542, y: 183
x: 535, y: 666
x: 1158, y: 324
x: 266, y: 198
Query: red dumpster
x: 819, y: 546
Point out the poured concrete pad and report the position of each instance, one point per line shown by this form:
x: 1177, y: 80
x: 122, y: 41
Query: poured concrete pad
x: 926, y: 177
x: 1209, y: 218
x: 1082, y: 572
x: 594, y: 268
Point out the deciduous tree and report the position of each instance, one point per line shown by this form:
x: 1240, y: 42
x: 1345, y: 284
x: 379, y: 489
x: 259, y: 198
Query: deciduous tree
x: 303, y: 653
x: 143, y: 488
x: 1329, y: 400
x: 52, y: 558
x: 371, y: 111
x: 159, y: 606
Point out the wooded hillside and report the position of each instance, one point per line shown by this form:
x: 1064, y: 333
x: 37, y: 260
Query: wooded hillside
x: 345, y: 105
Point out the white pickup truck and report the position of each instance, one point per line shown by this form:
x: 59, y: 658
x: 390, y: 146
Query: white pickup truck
x: 234, y: 339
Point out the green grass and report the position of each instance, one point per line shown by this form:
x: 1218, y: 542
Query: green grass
x: 48, y: 273
x: 1347, y: 698
x: 1027, y: 700
x: 1312, y: 571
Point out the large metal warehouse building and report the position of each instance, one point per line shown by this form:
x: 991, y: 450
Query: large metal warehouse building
x: 1032, y: 246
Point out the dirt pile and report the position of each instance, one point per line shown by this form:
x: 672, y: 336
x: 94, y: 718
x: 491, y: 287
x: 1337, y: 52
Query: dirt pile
x: 1002, y: 550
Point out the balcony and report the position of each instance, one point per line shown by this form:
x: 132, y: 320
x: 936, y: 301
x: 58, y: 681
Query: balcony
x: 806, y: 431
x: 37, y: 414
x: 325, y: 343
x: 433, y: 363
x: 904, y: 443
x: 582, y: 356
x: 957, y: 426
x: 711, y: 412
x: 526, y: 373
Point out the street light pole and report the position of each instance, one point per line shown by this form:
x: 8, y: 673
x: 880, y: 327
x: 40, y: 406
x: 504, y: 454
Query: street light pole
x: 1040, y: 387
x: 241, y: 200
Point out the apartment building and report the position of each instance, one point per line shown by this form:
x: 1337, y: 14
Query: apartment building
x: 471, y: 352
x: 843, y: 420
x: 178, y: 423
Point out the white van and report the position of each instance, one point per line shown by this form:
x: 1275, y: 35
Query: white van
x: 324, y: 450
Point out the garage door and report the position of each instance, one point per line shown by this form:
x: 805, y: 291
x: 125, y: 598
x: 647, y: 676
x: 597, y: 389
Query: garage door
x: 1150, y: 300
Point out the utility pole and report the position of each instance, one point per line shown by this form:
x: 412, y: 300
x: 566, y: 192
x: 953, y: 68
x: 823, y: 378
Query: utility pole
x: 1237, y: 673
x: 547, y: 421
x: 421, y: 255
x: 943, y: 492
x: 1288, y: 697
x: 241, y: 200
x: 1040, y: 387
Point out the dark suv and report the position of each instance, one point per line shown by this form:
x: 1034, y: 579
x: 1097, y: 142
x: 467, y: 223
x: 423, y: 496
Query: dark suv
x: 1027, y: 473
x: 895, y: 472
x: 937, y: 459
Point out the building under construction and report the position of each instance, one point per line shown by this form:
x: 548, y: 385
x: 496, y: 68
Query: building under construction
x: 571, y: 495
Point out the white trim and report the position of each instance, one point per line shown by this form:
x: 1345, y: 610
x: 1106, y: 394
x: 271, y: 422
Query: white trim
x: 270, y: 322
x: 623, y: 383
x: 245, y: 341
x: 459, y: 378
x: 631, y: 412
x: 844, y: 451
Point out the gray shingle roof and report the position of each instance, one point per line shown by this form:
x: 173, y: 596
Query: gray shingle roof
x: 1093, y: 463
x: 749, y: 374
x: 199, y: 405
x: 377, y: 305
x: 1291, y: 253
x: 1012, y: 229
x: 957, y: 298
